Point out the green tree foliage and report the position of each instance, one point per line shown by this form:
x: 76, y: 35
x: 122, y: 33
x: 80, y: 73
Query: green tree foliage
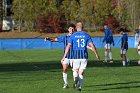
x: 127, y: 12
x: 26, y: 11
x: 92, y: 12
x: 70, y: 9
x: 103, y: 8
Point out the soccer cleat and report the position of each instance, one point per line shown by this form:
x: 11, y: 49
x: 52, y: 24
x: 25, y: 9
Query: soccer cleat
x: 65, y: 86
x: 111, y: 61
x: 79, y: 89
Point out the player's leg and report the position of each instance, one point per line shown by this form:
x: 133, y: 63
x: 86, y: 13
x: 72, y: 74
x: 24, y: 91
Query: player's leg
x: 106, y: 52
x: 65, y: 65
x: 123, y: 56
x: 110, y: 53
x: 76, y: 65
x: 80, y: 73
x: 127, y: 59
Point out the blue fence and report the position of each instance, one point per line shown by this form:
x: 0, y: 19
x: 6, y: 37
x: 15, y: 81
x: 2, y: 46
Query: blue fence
x: 39, y: 43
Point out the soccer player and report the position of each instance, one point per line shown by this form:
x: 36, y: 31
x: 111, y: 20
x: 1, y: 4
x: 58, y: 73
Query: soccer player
x: 124, y: 47
x: 68, y: 59
x: 79, y: 41
x: 108, y: 38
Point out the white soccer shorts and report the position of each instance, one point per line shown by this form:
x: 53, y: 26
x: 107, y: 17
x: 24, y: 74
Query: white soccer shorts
x: 123, y: 51
x: 107, y: 46
x: 80, y: 64
x: 68, y: 61
x: 139, y: 49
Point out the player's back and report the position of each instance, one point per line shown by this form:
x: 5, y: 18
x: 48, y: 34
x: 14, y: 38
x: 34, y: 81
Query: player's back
x: 125, y: 39
x: 80, y: 40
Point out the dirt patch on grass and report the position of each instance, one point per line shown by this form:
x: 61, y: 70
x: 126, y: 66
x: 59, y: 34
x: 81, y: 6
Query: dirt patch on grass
x: 16, y: 34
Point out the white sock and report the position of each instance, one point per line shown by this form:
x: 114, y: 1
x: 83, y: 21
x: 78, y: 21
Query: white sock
x: 106, y: 56
x: 65, y: 78
x: 75, y: 76
x: 110, y: 55
x: 127, y: 59
x: 123, y: 62
x: 80, y: 81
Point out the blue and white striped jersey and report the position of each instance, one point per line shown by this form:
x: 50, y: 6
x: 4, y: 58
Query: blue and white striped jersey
x: 80, y: 40
x: 124, y: 39
x: 64, y: 39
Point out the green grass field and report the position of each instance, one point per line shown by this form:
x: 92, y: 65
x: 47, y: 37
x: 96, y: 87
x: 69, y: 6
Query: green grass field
x: 40, y: 71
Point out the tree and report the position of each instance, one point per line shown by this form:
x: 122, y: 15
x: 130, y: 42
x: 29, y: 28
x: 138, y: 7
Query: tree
x: 27, y: 11
x: 70, y: 9
x: 1, y: 14
x: 127, y: 12
x: 103, y: 8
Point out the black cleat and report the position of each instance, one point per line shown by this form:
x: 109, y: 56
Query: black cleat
x: 79, y: 89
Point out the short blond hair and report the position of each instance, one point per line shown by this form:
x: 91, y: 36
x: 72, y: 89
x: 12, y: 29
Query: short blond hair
x: 79, y: 25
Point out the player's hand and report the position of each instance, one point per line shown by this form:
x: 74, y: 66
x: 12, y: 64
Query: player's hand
x: 122, y: 49
x: 45, y: 39
x: 113, y: 44
x: 62, y: 60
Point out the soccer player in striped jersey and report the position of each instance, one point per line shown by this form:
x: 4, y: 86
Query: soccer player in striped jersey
x: 79, y: 41
x: 124, y: 47
x: 108, y: 38
x: 68, y: 59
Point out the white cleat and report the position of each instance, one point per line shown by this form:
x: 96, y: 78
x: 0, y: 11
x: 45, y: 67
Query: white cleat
x: 111, y: 61
x: 65, y: 86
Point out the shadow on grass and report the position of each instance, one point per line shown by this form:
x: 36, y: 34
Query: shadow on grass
x: 118, y: 85
x: 30, y: 66
x: 116, y: 63
x: 123, y: 87
x: 49, y: 65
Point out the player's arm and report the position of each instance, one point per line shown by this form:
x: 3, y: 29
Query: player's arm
x: 93, y: 48
x: 124, y: 42
x: 66, y: 51
x: 113, y: 41
x: 51, y: 39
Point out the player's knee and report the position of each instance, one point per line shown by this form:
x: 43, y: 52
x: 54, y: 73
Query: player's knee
x: 81, y: 76
x: 75, y: 70
x: 64, y: 70
x: 75, y: 73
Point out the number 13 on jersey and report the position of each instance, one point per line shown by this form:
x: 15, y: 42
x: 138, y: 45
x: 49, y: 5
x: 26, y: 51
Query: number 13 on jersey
x: 81, y: 43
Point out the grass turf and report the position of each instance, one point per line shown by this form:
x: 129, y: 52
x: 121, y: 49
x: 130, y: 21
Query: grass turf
x: 40, y: 71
